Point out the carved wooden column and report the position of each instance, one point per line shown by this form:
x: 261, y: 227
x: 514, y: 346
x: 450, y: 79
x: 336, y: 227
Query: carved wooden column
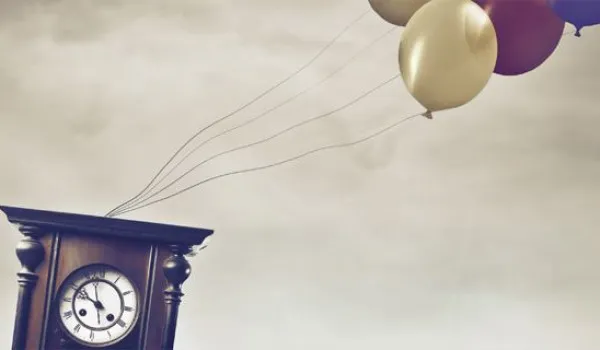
x: 176, y: 269
x: 31, y: 254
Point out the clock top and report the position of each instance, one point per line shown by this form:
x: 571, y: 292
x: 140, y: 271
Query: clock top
x: 49, y: 221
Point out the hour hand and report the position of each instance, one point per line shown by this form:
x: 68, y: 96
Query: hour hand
x: 85, y: 295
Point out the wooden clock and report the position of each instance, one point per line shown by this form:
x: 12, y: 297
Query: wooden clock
x: 90, y: 282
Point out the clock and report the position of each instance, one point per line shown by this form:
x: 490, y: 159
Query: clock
x: 89, y: 282
x: 98, y: 305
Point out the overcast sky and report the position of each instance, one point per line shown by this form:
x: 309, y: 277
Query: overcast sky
x: 477, y: 230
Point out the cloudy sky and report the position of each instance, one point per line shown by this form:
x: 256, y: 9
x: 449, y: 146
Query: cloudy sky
x: 477, y: 230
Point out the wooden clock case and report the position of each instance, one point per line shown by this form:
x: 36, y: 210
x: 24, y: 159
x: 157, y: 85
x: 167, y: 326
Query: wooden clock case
x: 152, y: 255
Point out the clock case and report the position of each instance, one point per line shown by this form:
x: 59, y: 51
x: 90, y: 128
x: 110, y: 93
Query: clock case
x: 151, y: 255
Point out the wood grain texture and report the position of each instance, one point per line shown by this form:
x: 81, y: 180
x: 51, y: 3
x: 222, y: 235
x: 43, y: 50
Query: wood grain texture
x: 77, y: 224
x: 68, y: 242
x: 39, y: 296
x: 158, y: 310
x: 130, y: 257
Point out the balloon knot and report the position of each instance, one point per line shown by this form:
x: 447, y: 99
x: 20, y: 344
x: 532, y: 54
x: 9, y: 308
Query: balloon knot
x: 428, y: 115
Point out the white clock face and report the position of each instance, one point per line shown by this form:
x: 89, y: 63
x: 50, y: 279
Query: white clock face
x: 98, y: 305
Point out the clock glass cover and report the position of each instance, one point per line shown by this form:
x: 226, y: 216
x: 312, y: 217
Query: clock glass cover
x: 98, y: 305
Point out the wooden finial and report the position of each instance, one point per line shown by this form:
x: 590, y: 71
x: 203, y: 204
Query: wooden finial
x: 31, y: 254
x: 177, y: 270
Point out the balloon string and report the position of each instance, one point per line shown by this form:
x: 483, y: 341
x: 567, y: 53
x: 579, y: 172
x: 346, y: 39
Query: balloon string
x: 279, y: 163
x: 267, y: 112
x: 256, y: 143
x: 257, y: 98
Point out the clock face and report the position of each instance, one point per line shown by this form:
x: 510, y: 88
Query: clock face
x: 98, y: 305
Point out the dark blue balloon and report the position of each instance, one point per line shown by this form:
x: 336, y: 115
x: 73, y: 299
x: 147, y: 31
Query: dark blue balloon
x: 580, y: 13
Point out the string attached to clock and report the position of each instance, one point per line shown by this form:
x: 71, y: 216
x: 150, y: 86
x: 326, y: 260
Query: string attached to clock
x: 276, y: 164
x: 241, y: 108
x: 347, y: 105
x: 141, y: 196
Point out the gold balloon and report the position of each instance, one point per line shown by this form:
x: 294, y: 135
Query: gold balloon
x: 447, y: 53
x: 397, y: 12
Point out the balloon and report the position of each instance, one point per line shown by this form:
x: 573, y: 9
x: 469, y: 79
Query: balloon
x: 397, y: 12
x: 528, y: 32
x: 580, y: 13
x: 447, y: 53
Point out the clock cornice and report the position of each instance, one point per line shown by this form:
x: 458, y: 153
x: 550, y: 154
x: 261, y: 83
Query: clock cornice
x: 79, y: 224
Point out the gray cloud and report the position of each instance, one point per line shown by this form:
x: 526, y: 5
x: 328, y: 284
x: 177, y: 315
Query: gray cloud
x: 476, y: 230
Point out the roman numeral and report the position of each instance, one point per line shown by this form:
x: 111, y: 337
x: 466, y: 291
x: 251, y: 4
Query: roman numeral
x: 74, y: 286
x: 108, y: 332
x: 67, y: 315
x: 95, y: 275
x: 67, y: 299
x: 128, y: 308
x: 121, y: 323
x: 127, y: 292
x: 91, y: 335
x: 77, y: 328
x: 118, y: 277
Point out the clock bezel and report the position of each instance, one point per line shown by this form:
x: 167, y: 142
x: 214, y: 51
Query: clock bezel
x: 58, y: 298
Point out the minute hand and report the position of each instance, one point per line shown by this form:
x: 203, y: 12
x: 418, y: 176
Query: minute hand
x: 97, y: 304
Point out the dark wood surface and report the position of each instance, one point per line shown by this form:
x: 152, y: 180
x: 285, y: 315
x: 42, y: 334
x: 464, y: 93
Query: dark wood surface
x: 36, y: 316
x: 145, y: 316
x: 157, y: 302
x: 176, y: 270
x: 131, y: 257
x: 71, y: 241
x: 77, y: 224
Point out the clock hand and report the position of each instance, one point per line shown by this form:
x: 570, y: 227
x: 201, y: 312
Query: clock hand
x: 97, y: 303
x: 86, y: 296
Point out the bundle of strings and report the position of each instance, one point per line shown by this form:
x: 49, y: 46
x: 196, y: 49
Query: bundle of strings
x: 145, y: 197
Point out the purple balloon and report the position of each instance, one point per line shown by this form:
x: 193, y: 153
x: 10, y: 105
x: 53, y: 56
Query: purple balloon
x: 580, y: 13
x: 528, y: 32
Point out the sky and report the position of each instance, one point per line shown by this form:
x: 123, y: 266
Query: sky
x: 475, y: 230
